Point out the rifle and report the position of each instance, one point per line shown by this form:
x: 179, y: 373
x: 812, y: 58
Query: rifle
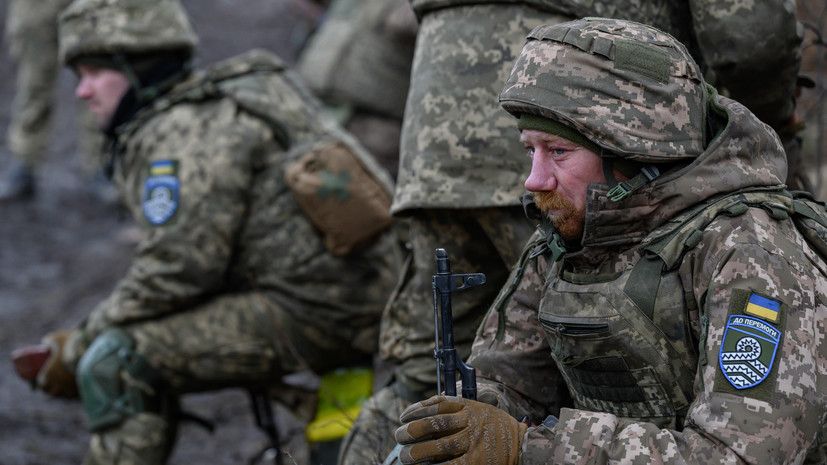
x: 448, y: 361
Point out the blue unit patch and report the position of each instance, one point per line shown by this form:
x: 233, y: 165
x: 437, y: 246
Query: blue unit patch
x: 160, y: 199
x: 748, y: 351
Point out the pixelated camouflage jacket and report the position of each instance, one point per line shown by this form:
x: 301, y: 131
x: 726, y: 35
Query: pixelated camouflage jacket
x: 638, y: 385
x: 230, y: 223
x: 450, y: 162
x: 365, y: 41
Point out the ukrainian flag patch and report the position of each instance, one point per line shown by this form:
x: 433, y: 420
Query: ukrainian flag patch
x: 763, y: 307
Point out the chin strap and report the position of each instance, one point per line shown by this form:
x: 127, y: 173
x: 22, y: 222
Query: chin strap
x: 552, y: 241
x: 622, y: 189
x: 147, y: 93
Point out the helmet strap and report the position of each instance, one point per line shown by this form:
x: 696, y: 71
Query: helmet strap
x: 639, y: 175
x: 608, y: 168
x: 149, y: 93
x: 625, y: 188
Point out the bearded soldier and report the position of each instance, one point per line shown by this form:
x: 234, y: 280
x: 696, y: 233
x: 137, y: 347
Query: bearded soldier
x: 248, y: 270
x: 461, y: 171
x: 668, y: 309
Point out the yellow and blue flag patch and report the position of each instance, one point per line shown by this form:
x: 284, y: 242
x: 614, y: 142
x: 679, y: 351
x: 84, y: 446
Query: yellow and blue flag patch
x: 161, y: 192
x: 763, y: 307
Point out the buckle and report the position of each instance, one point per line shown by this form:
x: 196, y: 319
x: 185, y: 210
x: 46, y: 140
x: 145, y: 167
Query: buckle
x: 619, y: 192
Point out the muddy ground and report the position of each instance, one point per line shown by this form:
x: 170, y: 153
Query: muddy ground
x: 62, y: 252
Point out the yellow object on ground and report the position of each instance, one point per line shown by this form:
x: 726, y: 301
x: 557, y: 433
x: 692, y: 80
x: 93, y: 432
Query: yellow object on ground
x: 341, y: 395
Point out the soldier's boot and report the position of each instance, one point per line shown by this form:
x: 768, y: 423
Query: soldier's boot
x: 19, y: 183
x: 143, y: 439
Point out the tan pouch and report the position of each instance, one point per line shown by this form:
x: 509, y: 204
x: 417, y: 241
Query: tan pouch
x: 340, y: 195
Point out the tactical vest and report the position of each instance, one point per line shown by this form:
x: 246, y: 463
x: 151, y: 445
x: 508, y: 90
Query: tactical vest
x: 624, y: 342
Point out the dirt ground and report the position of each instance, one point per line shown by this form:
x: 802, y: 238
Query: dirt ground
x: 62, y: 253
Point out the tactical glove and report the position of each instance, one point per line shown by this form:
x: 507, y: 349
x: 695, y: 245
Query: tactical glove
x: 459, y: 431
x: 54, y: 378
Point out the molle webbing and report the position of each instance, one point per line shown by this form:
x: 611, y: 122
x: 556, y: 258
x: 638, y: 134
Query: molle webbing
x: 605, y: 378
x: 811, y: 220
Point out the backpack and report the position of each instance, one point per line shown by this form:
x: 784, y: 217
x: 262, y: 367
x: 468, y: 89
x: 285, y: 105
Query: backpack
x: 339, y: 185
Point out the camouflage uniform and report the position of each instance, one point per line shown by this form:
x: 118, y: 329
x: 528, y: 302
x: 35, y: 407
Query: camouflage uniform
x: 31, y: 35
x: 232, y: 284
x: 459, y: 156
x: 645, y: 341
x: 359, y: 63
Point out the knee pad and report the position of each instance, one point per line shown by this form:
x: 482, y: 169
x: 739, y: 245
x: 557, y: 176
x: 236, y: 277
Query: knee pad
x: 113, y: 380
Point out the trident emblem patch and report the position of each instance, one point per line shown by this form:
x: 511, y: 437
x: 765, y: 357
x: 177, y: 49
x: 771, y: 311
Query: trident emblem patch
x: 748, y: 351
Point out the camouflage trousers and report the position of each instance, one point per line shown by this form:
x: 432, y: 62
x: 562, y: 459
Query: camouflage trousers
x: 31, y: 35
x: 485, y: 240
x: 370, y: 439
x: 241, y: 340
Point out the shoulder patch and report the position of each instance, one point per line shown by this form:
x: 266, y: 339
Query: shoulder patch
x: 160, y: 197
x: 748, y: 351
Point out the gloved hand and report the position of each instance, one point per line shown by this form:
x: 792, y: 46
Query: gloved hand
x: 460, y: 431
x: 54, y: 378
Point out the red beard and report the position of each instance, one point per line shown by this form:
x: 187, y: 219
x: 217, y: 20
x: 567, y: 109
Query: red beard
x: 569, y: 223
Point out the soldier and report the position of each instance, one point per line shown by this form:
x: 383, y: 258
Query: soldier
x: 461, y: 172
x: 248, y: 270
x: 667, y: 310
x: 31, y: 34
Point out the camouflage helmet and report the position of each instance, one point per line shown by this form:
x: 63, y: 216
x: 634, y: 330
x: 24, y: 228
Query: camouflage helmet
x: 103, y: 27
x: 631, y: 89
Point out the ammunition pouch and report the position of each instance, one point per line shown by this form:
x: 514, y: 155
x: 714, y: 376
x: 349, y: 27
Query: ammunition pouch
x: 341, y: 193
x: 115, y: 382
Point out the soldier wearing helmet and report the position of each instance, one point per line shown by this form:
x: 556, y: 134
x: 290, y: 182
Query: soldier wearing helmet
x: 667, y: 309
x: 461, y: 175
x: 239, y: 279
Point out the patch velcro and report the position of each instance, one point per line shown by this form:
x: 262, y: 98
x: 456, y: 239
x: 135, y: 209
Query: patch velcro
x: 763, y: 307
x: 643, y: 59
x: 161, y: 188
x: 748, y: 351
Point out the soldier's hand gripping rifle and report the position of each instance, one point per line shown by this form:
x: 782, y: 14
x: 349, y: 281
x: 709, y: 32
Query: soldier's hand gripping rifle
x: 448, y: 361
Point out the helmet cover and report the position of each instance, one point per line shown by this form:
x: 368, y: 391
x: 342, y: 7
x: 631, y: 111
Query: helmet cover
x: 103, y: 27
x: 632, y: 89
